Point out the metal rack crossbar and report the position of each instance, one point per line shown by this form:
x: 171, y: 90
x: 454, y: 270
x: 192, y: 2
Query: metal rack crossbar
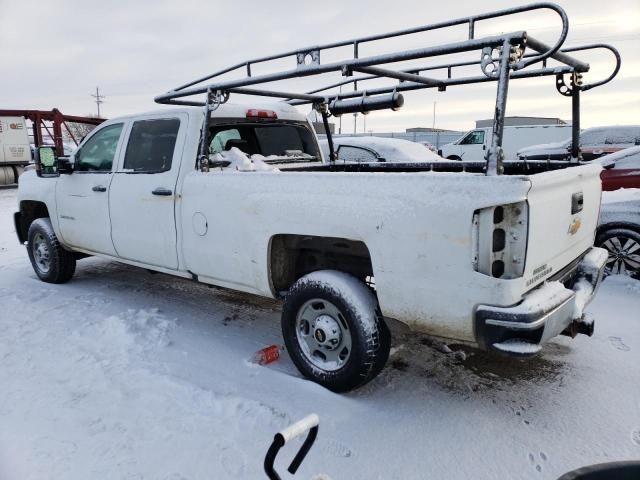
x: 501, y: 58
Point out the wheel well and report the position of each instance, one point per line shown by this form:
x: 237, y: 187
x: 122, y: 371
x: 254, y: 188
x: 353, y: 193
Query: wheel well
x: 29, y: 211
x: 293, y: 256
x: 613, y: 225
x: 453, y: 157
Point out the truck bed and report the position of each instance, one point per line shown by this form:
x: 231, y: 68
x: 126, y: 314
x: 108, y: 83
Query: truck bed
x: 510, y: 168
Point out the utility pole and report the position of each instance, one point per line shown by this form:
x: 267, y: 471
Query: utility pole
x: 434, y: 115
x: 99, y: 99
x: 340, y: 117
x: 364, y: 128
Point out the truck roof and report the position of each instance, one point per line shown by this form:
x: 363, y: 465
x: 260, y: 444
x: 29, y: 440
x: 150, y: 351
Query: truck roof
x: 283, y: 110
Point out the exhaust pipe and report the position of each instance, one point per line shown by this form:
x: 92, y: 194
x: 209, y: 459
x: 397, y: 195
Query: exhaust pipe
x: 579, y: 326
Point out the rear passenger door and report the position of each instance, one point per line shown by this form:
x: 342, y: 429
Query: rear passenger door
x: 143, y: 191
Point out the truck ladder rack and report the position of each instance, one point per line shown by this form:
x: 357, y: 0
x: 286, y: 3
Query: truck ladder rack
x: 501, y: 58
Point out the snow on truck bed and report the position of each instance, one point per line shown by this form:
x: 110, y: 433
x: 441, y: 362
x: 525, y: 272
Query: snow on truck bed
x: 123, y: 374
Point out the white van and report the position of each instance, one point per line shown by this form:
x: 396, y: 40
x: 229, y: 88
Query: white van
x: 473, y: 145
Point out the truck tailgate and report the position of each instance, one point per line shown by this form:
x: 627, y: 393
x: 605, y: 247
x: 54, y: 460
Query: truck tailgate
x: 563, y: 215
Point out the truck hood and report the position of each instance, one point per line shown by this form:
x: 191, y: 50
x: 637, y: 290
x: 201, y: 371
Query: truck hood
x: 543, y: 148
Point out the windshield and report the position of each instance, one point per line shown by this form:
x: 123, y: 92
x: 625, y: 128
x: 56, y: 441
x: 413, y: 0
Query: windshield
x: 277, y: 142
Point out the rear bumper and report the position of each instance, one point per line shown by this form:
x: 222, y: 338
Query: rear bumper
x: 545, y: 312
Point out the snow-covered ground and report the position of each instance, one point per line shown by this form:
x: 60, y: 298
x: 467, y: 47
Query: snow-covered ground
x: 121, y: 374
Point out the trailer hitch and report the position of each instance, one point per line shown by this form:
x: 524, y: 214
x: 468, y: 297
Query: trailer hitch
x: 310, y: 424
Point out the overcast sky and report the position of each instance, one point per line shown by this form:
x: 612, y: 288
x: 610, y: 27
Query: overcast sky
x: 54, y: 54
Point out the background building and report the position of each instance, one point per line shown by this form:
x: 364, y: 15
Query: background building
x: 513, y: 121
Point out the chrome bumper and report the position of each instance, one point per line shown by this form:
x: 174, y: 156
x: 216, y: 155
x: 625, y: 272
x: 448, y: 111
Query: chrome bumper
x: 545, y: 312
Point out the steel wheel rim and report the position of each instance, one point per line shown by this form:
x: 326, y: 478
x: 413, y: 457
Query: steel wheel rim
x: 41, y: 253
x: 624, y: 255
x: 323, y: 335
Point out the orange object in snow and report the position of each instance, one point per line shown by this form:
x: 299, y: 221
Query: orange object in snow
x: 267, y: 355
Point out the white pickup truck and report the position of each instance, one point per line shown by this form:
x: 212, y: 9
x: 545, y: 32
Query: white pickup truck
x: 495, y: 255
x: 457, y: 255
x: 473, y: 145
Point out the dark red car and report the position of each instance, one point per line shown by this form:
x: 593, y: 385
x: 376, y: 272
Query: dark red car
x: 621, y: 169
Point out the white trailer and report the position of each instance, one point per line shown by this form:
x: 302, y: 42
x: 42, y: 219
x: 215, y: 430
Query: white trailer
x: 15, y: 151
x: 474, y: 144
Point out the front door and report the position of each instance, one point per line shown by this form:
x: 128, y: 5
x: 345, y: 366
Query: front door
x: 473, y: 146
x: 143, y: 189
x: 83, y: 197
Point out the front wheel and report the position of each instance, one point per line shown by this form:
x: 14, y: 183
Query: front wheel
x: 623, y: 245
x: 334, y: 331
x: 51, y: 262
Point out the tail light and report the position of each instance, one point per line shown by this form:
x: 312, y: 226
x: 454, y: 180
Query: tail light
x: 258, y: 113
x: 500, y: 240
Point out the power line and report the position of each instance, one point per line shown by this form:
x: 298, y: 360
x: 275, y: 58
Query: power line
x: 99, y: 99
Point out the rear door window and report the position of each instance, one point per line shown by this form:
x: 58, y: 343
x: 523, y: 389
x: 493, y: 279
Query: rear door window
x: 151, y: 145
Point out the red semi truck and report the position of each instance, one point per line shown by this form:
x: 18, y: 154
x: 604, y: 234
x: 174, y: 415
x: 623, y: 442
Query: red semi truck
x: 20, y: 129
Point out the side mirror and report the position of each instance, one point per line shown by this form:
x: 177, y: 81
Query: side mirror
x: 609, y: 165
x: 46, y: 162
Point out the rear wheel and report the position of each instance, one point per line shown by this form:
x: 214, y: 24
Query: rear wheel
x: 51, y: 262
x: 334, y: 331
x: 623, y: 245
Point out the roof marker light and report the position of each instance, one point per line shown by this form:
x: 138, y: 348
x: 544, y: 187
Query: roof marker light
x: 257, y: 113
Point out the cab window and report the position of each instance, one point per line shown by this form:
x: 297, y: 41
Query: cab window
x: 220, y: 139
x: 474, y: 138
x: 276, y: 139
x: 97, y: 154
x: 151, y: 145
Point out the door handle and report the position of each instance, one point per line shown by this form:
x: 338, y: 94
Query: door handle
x: 99, y: 188
x: 165, y: 192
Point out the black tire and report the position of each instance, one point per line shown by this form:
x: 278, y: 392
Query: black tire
x: 623, y: 245
x: 357, y: 310
x: 454, y: 157
x: 51, y: 262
